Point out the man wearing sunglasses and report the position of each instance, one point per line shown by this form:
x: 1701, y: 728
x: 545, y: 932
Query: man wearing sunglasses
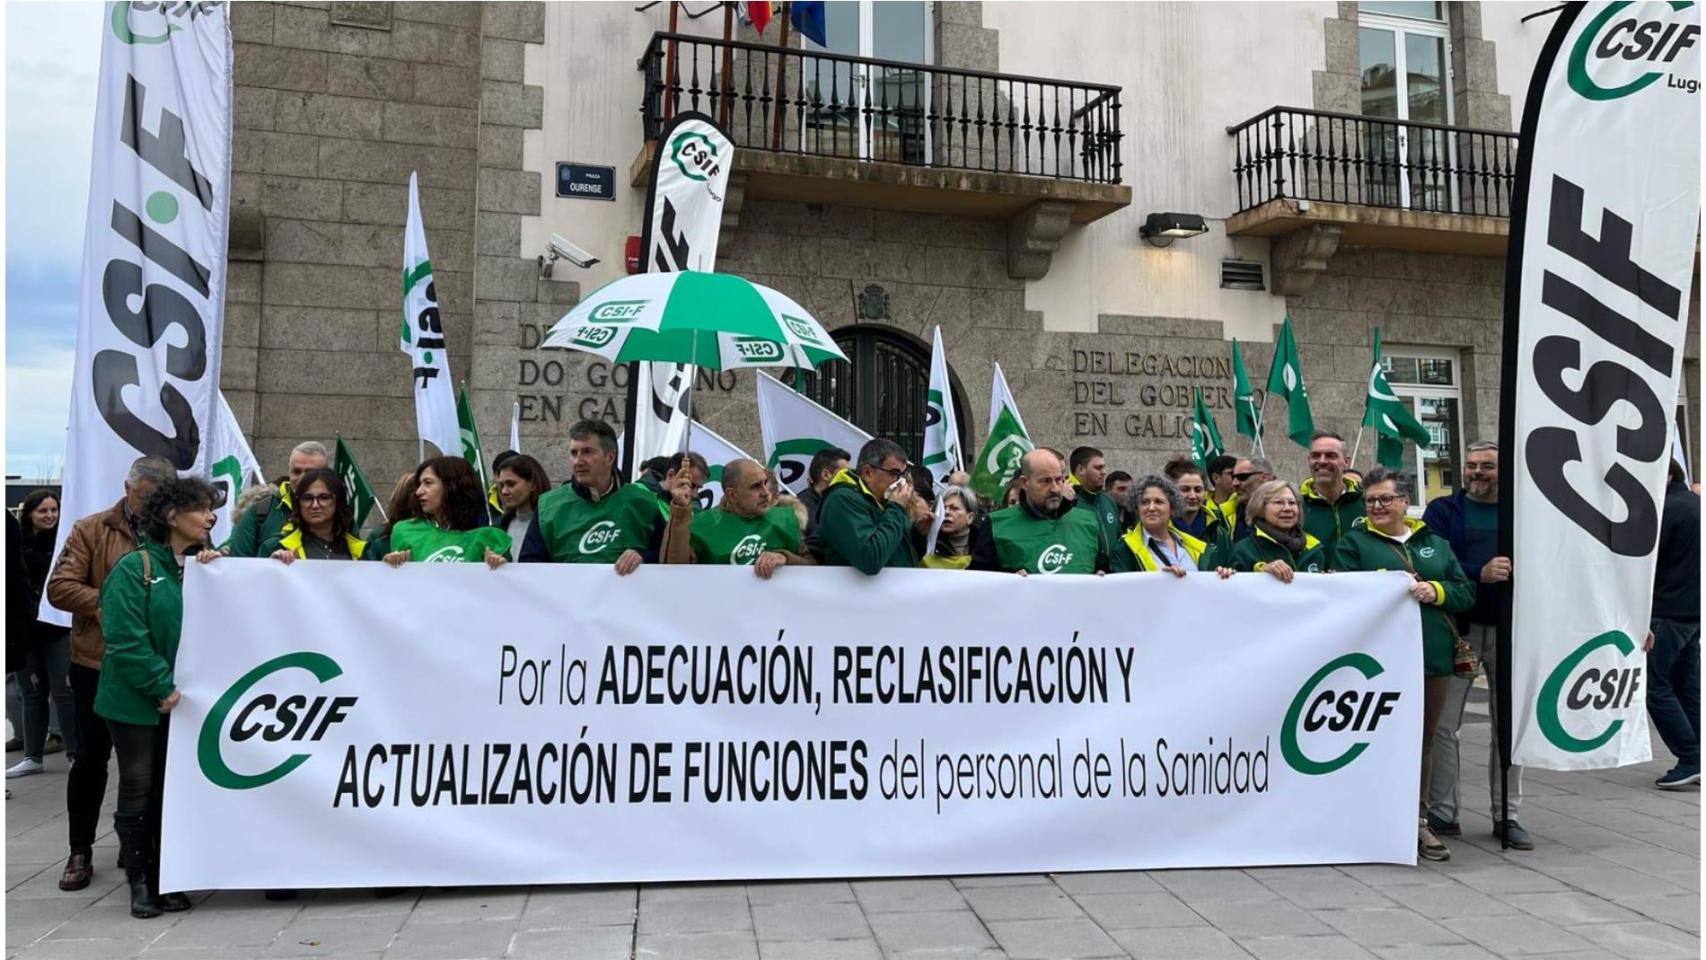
x: 866, y: 518
x: 1226, y: 529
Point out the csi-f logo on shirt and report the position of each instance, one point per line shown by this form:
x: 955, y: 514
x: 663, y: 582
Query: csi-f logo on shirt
x: 746, y: 552
x: 600, y: 535
x: 447, y: 554
x: 1054, y: 558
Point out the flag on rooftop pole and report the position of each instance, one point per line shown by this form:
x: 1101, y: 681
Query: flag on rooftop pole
x: 423, y: 338
x: 1285, y: 380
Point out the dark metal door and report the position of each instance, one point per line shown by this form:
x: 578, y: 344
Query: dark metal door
x: 883, y: 389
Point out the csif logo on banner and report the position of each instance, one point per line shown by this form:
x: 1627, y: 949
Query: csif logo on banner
x: 1608, y: 685
x: 128, y: 31
x: 1327, y: 716
x: 1606, y: 384
x: 1629, y: 46
x: 114, y: 373
x: 244, y: 725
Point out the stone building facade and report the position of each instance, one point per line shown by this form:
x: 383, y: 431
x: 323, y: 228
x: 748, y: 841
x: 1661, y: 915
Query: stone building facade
x: 1101, y: 335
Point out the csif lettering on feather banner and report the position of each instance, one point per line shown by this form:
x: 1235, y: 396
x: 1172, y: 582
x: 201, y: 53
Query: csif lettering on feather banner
x: 1605, y: 215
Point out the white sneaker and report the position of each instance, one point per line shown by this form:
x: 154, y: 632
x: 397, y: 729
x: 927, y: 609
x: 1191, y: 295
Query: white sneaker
x: 23, y: 768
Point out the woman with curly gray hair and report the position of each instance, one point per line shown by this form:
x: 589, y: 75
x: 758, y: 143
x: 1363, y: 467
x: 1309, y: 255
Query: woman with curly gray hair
x: 142, y: 611
x: 1156, y: 542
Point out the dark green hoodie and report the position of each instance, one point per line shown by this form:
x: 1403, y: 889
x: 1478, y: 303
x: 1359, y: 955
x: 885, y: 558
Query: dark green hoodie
x: 857, y: 530
x: 1257, y: 550
x: 1427, y: 555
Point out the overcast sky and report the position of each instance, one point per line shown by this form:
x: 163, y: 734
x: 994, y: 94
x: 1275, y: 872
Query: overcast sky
x: 52, y: 60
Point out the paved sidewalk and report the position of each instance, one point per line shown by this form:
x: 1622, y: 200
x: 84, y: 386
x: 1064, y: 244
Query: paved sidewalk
x: 1616, y: 873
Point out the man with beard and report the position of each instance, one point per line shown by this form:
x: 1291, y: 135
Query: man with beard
x: 1331, y: 500
x: 1043, y: 533
x: 1469, y: 520
x: 744, y: 529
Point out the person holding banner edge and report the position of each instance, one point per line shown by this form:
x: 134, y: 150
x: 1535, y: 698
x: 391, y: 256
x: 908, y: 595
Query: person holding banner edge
x: 451, y: 527
x: 1387, y: 539
x: 744, y: 529
x: 1043, y: 533
x: 142, y: 609
x: 1156, y: 541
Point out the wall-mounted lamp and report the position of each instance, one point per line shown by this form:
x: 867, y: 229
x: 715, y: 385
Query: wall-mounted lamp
x: 1161, y: 229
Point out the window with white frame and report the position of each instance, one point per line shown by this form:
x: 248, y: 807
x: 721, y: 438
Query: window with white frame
x: 1428, y: 380
x: 1404, y: 50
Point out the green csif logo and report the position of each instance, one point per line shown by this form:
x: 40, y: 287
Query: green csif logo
x: 695, y: 154
x: 1598, y: 688
x: 1355, y: 709
x: 126, y: 32
x: 295, y: 717
x: 1613, y: 46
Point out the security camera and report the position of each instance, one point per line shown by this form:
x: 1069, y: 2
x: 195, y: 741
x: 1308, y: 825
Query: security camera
x: 560, y: 249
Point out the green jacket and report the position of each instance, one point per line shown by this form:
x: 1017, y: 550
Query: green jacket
x: 857, y: 530
x: 140, y: 621
x: 261, y: 524
x: 1258, y: 550
x: 569, y: 526
x: 1107, y: 514
x: 1429, y: 556
x: 1021, y: 538
x: 1327, y: 522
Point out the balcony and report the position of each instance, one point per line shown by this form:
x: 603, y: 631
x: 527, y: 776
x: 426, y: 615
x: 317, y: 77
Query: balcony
x: 1312, y: 180
x: 820, y: 127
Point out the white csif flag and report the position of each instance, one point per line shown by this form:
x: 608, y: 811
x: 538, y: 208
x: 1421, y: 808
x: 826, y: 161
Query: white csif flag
x: 718, y: 453
x: 423, y: 339
x: 232, y: 466
x: 942, y: 454
x: 150, y: 318
x: 684, y: 215
x: 1605, y: 213
x: 795, y: 428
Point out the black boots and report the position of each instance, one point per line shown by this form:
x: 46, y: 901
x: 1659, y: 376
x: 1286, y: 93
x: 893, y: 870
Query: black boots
x: 133, y: 841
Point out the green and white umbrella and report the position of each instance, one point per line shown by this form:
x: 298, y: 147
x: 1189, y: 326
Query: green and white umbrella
x: 714, y: 320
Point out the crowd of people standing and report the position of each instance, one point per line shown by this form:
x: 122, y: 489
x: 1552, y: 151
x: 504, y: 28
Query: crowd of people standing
x: 120, y: 571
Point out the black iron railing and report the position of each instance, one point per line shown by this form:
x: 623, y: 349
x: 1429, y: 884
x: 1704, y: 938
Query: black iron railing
x: 824, y: 104
x: 1375, y: 161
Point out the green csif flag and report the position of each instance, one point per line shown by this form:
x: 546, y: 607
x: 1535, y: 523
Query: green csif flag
x: 1285, y: 379
x: 1390, y: 417
x: 1249, y: 422
x: 471, y: 446
x: 1205, y: 435
x: 1007, y: 442
x: 361, y: 498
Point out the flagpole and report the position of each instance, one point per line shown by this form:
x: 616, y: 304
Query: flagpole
x: 1358, y: 445
x: 1262, y: 425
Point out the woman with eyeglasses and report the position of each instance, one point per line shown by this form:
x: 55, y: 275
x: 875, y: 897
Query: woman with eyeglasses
x: 1388, y: 539
x: 1155, y: 541
x: 1277, y: 545
x: 320, y: 522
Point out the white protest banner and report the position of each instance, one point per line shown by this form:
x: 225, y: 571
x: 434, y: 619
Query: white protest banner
x: 232, y: 466
x: 151, y: 318
x: 717, y: 452
x: 699, y: 723
x: 795, y: 427
x: 1606, y: 209
x: 684, y: 216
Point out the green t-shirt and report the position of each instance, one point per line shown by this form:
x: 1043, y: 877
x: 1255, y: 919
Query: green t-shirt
x: 1066, y: 544
x: 427, y: 543
x: 723, y: 537
x: 577, y: 530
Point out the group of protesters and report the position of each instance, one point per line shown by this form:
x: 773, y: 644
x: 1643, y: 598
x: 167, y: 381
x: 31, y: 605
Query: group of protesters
x: 120, y: 571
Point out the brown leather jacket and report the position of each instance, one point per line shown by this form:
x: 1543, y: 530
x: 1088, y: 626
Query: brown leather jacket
x: 96, y: 543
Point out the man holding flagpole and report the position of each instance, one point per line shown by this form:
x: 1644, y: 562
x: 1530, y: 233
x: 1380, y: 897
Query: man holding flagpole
x: 423, y: 340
